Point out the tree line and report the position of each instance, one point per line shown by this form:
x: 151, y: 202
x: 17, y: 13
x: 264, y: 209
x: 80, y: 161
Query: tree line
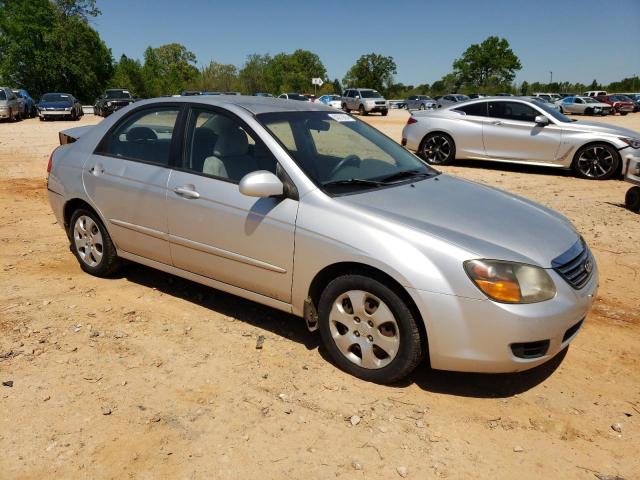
x: 49, y: 45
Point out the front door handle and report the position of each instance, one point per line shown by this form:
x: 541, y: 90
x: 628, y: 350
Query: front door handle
x: 497, y: 122
x: 187, y: 192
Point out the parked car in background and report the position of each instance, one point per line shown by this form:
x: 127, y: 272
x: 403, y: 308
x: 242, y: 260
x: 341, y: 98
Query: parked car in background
x: 594, y: 93
x: 420, y: 102
x: 30, y: 110
x: 548, y: 103
x: 111, y: 100
x: 190, y: 93
x: 620, y: 103
x: 364, y: 101
x: 9, y: 105
x: 584, y: 106
x: 262, y: 94
x: 476, y: 95
x: 231, y: 93
x: 210, y: 93
x: 294, y: 96
x: 550, y: 97
x: 504, y: 95
x: 521, y: 131
x: 334, y: 101
x: 394, y: 261
x: 635, y: 98
x: 59, y: 105
x: 451, y: 99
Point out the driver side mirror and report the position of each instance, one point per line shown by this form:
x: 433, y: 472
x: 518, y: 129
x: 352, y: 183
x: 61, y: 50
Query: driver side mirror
x: 261, y: 184
x: 541, y: 120
x: 357, y: 96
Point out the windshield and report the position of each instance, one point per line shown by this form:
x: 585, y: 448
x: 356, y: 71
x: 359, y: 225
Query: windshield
x: 461, y: 98
x: 554, y: 113
x: 56, y: 97
x: 370, y: 94
x: 117, y: 94
x: 619, y: 98
x: 342, y: 154
x: 297, y: 96
x: 590, y: 100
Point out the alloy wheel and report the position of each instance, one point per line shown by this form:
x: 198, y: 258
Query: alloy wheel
x: 364, y: 329
x: 436, y: 149
x: 88, y: 241
x: 595, y: 162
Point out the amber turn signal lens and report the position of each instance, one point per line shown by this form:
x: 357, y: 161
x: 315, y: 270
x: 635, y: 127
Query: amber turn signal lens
x: 503, y: 291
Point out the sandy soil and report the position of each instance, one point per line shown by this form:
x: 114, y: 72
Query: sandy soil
x: 149, y: 376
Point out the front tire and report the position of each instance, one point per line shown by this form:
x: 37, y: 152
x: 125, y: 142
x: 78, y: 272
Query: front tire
x: 438, y: 149
x: 384, y: 113
x: 368, y: 329
x: 362, y: 111
x: 597, y: 161
x: 91, y: 244
x: 632, y: 199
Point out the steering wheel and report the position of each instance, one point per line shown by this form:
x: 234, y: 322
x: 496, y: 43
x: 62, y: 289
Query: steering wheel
x: 349, y: 159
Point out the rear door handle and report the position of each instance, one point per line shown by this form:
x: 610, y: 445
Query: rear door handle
x: 186, y: 192
x: 97, y: 170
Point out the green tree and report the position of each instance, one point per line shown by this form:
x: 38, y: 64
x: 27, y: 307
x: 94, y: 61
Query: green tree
x: 44, y: 50
x: 337, y: 86
x: 524, y: 88
x: 491, y: 63
x: 77, y: 8
x: 219, y: 77
x: 168, y: 69
x: 371, y: 71
x: 253, y: 75
x: 127, y: 73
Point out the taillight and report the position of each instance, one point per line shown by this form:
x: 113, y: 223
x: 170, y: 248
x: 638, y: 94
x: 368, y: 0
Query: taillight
x: 50, y: 162
x: 411, y: 120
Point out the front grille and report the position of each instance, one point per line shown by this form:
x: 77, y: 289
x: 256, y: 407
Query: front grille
x: 380, y: 103
x: 119, y: 103
x: 572, y: 331
x: 576, y: 270
x: 530, y: 349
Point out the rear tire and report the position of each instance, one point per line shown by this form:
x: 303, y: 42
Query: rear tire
x: 384, y: 113
x: 91, y: 244
x: 623, y: 113
x: 368, y: 329
x: 438, y: 149
x: 588, y: 111
x: 632, y: 199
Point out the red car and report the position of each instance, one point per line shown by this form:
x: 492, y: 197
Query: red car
x: 620, y: 103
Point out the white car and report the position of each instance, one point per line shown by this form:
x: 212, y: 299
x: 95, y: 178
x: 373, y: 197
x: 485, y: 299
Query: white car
x: 334, y: 101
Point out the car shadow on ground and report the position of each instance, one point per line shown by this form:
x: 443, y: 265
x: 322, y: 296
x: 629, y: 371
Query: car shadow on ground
x: 513, y: 167
x: 293, y: 328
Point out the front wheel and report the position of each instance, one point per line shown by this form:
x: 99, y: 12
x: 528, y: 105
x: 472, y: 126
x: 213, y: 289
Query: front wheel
x: 623, y: 113
x: 384, y: 113
x: 598, y: 161
x: 368, y: 329
x: 92, y: 245
x: 588, y: 111
x: 438, y: 149
x: 632, y: 199
x: 361, y: 110
x: 345, y: 108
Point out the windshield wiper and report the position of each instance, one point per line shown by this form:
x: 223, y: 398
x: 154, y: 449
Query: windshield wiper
x: 405, y: 174
x: 354, y: 181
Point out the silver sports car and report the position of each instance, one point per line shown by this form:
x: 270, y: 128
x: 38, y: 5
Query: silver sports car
x: 520, y: 130
x: 313, y: 212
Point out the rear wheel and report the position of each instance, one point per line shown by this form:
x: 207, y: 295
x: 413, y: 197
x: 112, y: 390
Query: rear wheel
x: 344, y: 107
x: 632, y: 199
x: 92, y: 245
x: 368, y: 329
x: 588, y: 111
x: 623, y: 113
x: 598, y: 161
x: 438, y: 149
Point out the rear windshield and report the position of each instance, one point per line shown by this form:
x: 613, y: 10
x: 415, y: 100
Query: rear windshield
x: 297, y: 96
x: 117, y: 94
x: 56, y: 97
x: 370, y: 94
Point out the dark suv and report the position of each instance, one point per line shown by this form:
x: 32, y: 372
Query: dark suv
x: 111, y: 100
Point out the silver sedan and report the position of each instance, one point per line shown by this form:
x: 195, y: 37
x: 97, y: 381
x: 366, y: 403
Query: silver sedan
x: 313, y: 212
x: 520, y: 130
x: 584, y: 106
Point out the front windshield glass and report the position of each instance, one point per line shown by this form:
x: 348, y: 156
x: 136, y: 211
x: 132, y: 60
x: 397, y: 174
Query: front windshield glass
x: 461, y: 98
x: 554, y: 113
x: 370, y: 94
x: 56, y: 97
x: 297, y: 96
x: 590, y: 100
x: 117, y: 94
x: 342, y: 154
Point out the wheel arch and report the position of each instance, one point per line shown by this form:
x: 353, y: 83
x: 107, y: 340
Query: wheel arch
x: 335, y: 270
x: 74, y: 204
x: 615, y: 147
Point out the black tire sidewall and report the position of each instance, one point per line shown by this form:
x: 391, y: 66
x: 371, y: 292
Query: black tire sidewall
x: 410, y: 351
x: 632, y: 199
x: 451, y: 156
x: 109, y: 261
x: 611, y: 150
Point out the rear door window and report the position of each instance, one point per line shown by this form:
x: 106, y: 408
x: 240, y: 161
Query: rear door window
x: 476, y: 109
x: 512, y: 111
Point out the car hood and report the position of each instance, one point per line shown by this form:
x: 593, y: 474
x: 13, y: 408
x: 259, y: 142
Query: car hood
x: 60, y: 105
x: 487, y: 222
x: 586, y: 126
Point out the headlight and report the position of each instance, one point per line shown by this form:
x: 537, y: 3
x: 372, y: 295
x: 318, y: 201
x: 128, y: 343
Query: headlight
x: 108, y: 104
x: 632, y: 142
x: 510, y: 282
x: 68, y: 109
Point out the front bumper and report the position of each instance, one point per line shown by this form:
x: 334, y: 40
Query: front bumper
x: 376, y: 108
x: 54, y: 113
x: 4, y: 113
x: 472, y: 335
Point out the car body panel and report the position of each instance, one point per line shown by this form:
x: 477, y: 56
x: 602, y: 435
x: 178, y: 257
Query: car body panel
x: 10, y: 105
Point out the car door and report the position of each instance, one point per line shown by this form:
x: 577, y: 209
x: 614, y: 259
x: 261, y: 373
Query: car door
x: 215, y: 230
x: 469, y: 128
x: 577, y: 106
x: 511, y: 133
x: 126, y: 180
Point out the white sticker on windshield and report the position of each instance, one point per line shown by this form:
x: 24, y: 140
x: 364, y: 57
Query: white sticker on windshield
x: 342, y: 117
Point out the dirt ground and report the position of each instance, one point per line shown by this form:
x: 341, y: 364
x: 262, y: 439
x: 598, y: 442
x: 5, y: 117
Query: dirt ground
x: 149, y: 376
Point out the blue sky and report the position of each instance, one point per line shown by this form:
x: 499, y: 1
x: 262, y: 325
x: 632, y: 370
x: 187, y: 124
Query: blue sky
x: 577, y: 40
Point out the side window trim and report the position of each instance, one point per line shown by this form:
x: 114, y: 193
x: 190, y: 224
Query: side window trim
x: 99, y: 149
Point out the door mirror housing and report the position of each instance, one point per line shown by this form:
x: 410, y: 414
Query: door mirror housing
x: 261, y: 184
x: 357, y: 96
x: 541, y: 120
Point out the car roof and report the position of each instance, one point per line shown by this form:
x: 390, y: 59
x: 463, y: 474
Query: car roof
x: 252, y: 104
